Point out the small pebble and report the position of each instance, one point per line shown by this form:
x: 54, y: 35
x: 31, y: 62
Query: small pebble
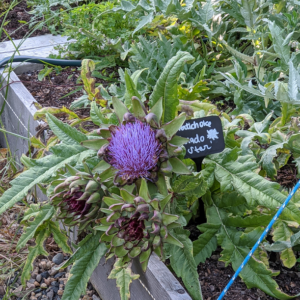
x: 50, y: 295
x: 95, y: 297
x: 39, y: 278
x: 212, y: 288
x: 54, y: 283
x: 36, y: 283
x: 60, y: 292
x: 54, y: 288
x: 45, y: 274
x: 33, y: 298
x: 58, y: 258
x: 43, y: 285
x: 49, y: 265
x: 60, y: 274
x: 53, y: 272
x: 31, y: 280
x: 47, y: 281
x: 30, y: 285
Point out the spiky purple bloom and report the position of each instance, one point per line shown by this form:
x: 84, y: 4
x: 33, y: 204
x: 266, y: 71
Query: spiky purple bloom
x: 134, y: 151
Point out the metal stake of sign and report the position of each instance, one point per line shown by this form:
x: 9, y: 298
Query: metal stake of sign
x: 285, y: 203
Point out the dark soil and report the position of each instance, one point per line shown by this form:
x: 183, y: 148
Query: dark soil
x: 214, y: 276
x: 48, y: 93
x: 15, y: 28
x: 287, y: 175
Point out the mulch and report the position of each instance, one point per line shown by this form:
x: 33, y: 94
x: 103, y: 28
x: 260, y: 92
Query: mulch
x: 49, y: 91
x: 15, y: 27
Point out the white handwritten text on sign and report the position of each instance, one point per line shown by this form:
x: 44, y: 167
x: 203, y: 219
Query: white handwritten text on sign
x: 205, y: 136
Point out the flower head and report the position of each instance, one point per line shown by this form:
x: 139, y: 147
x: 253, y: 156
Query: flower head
x: 136, y: 226
x: 134, y: 151
x: 141, y: 146
x: 78, y: 199
x: 74, y: 205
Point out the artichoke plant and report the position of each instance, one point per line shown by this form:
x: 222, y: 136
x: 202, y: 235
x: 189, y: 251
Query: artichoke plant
x: 140, y: 146
x: 137, y: 225
x: 78, y: 199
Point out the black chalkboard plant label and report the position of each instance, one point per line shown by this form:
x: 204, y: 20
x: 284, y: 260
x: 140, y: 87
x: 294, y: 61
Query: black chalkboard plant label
x: 205, y: 136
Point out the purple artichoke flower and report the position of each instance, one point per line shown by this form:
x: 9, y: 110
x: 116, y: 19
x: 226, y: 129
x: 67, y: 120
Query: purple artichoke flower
x: 134, y: 151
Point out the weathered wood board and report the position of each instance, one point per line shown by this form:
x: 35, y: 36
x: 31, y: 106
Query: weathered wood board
x: 36, y: 46
x: 158, y: 280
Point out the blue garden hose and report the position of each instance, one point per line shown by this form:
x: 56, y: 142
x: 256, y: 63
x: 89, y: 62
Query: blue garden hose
x: 40, y: 60
x: 285, y: 203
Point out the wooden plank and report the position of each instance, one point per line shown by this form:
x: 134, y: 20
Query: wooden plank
x: 158, y: 280
x: 30, y: 44
x: 41, y: 46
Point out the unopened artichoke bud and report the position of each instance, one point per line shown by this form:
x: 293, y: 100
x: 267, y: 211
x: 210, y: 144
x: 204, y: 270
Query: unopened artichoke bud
x: 140, y: 144
x: 78, y: 199
x: 145, y: 226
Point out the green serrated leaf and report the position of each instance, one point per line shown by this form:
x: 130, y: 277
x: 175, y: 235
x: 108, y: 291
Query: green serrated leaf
x: 184, y: 265
x: 82, y: 270
x: 46, y: 212
x: 67, y: 134
x: 205, y: 245
x: 234, y: 172
x: 91, y: 242
x: 166, y: 86
x: 60, y: 237
x: 124, y: 276
x: 34, y: 252
x: 42, y: 170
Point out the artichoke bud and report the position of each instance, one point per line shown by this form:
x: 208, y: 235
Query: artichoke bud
x: 144, y: 216
x: 84, y: 196
x: 156, y: 242
x: 161, y: 135
x: 95, y: 197
x: 92, y: 186
x: 143, y: 208
x: 112, y: 217
x: 74, y: 190
x: 135, y: 252
x: 164, y: 232
x: 78, y: 182
x: 128, y: 117
x: 128, y: 246
x: 156, y: 229
x: 84, y: 175
x: 61, y: 186
x: 111, y: 230
x: 156, y: 216
x: 139, y: 200
x: 128, y: 207
x: 71, y: 179
x: 102, y: 150
x: 178, y: 150
x: 164, y: 155
x: 166, y: 168
x: 146, y: 246
x: 152, y: 120
x: 105, y: 133
x: 116, y: 206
